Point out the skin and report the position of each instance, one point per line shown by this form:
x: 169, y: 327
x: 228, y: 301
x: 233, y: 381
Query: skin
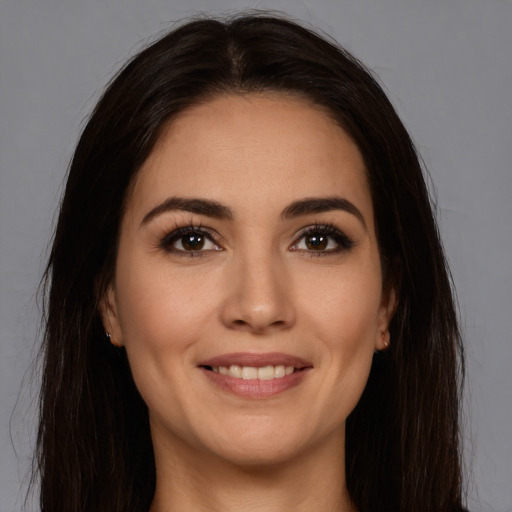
x: 256, y: 286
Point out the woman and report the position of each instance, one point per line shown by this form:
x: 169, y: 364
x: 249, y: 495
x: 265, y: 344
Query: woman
x: 248, y: 302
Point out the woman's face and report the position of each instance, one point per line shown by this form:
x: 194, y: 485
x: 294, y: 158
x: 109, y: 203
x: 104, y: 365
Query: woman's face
x: 248, y: 289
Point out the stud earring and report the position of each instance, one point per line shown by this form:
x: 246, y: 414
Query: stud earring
x: 385, y: 342
x: 386, y: 339
x: 110, y: 340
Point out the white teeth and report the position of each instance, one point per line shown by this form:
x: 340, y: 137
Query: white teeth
x: 251, y: 372
x: 266, y: 373
x: 280, y: 371
x: 235, y: 371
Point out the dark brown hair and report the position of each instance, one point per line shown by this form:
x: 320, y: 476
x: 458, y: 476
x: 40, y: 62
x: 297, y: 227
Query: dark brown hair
x: 94, y: 451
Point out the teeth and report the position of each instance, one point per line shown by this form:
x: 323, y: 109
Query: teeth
x: 251, y: 373
x: 266, y: 373
x: 280, y: 371
x: 248, y: 373
x: 235, y: 371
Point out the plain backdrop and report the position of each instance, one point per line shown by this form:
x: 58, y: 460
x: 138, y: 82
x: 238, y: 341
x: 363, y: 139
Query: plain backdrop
x: 447, y: 67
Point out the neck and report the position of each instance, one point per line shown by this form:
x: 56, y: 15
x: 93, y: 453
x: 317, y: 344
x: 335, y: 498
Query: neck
x: 314, y: 480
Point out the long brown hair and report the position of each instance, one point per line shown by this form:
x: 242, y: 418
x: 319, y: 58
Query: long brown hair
x: 94, y: 450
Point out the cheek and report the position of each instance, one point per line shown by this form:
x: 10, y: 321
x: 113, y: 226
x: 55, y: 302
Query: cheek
x: 158, y: 306
x: 161, y: 319
x: 344, y: 305
x: 344, y: 319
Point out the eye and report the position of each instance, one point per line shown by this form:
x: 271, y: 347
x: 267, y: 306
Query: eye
x: 317, y: 242
x: 189, y: 240
x: 322, y: 239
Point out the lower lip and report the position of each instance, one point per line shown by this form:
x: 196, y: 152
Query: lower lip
x: 255, y: 388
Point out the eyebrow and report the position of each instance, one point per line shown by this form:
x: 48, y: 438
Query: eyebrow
x: 217, y: 210
x: 200, y: 206
x: 320, y: 205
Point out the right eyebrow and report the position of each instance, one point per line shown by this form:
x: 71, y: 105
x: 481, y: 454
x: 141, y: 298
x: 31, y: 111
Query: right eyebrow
x: 194, y: 205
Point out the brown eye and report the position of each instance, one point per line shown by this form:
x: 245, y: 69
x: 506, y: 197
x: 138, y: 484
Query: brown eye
x: 316, y: 242
x: 322, y: 240
x: 191, y: 242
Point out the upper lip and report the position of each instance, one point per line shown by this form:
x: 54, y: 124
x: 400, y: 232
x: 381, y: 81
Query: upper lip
x: 256, y: 360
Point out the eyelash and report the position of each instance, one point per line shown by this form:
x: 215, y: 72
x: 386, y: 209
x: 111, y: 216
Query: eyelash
x: 343, y: 242
x: 166, y: 243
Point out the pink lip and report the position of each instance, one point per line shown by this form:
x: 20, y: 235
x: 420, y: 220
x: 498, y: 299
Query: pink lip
x: 255, y: 388
x: 258, y: 360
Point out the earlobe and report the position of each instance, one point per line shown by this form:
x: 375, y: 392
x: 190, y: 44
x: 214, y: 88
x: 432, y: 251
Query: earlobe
x: 387, y: 310
x: 112, y: 341
x: 386, y: 340
x: 108, y: 311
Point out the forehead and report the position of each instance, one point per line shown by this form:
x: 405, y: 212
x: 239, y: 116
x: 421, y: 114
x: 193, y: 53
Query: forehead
x: 254, y: 149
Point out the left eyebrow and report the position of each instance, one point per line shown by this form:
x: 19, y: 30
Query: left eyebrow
x: 321, y: 205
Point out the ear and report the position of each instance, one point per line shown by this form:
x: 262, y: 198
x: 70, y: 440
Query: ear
x: 387, y: 308
x: 108, y: 311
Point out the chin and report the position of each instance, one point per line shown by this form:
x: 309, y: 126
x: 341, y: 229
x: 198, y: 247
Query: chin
x: 261, y: 445
x: 259, y: 454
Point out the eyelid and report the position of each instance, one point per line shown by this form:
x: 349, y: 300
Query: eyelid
x: 170, y: 237
x: 344, y: 242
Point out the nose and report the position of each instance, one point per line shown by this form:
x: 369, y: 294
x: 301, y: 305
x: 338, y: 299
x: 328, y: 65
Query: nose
x: 259, y: 296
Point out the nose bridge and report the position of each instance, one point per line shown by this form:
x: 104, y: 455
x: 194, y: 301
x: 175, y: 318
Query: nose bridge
x: 259, y: 291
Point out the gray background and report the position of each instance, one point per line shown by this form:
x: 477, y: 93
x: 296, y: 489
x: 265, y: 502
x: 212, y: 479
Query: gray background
x: 447, y: 66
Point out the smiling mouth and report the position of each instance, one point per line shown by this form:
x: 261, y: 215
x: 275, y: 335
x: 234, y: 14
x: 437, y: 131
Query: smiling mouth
x: 255, y: 376
x: 268, y: 372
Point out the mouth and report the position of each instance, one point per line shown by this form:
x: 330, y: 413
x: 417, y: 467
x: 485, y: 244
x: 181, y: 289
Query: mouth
x: 256, y: 375
x: 268, y: 372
